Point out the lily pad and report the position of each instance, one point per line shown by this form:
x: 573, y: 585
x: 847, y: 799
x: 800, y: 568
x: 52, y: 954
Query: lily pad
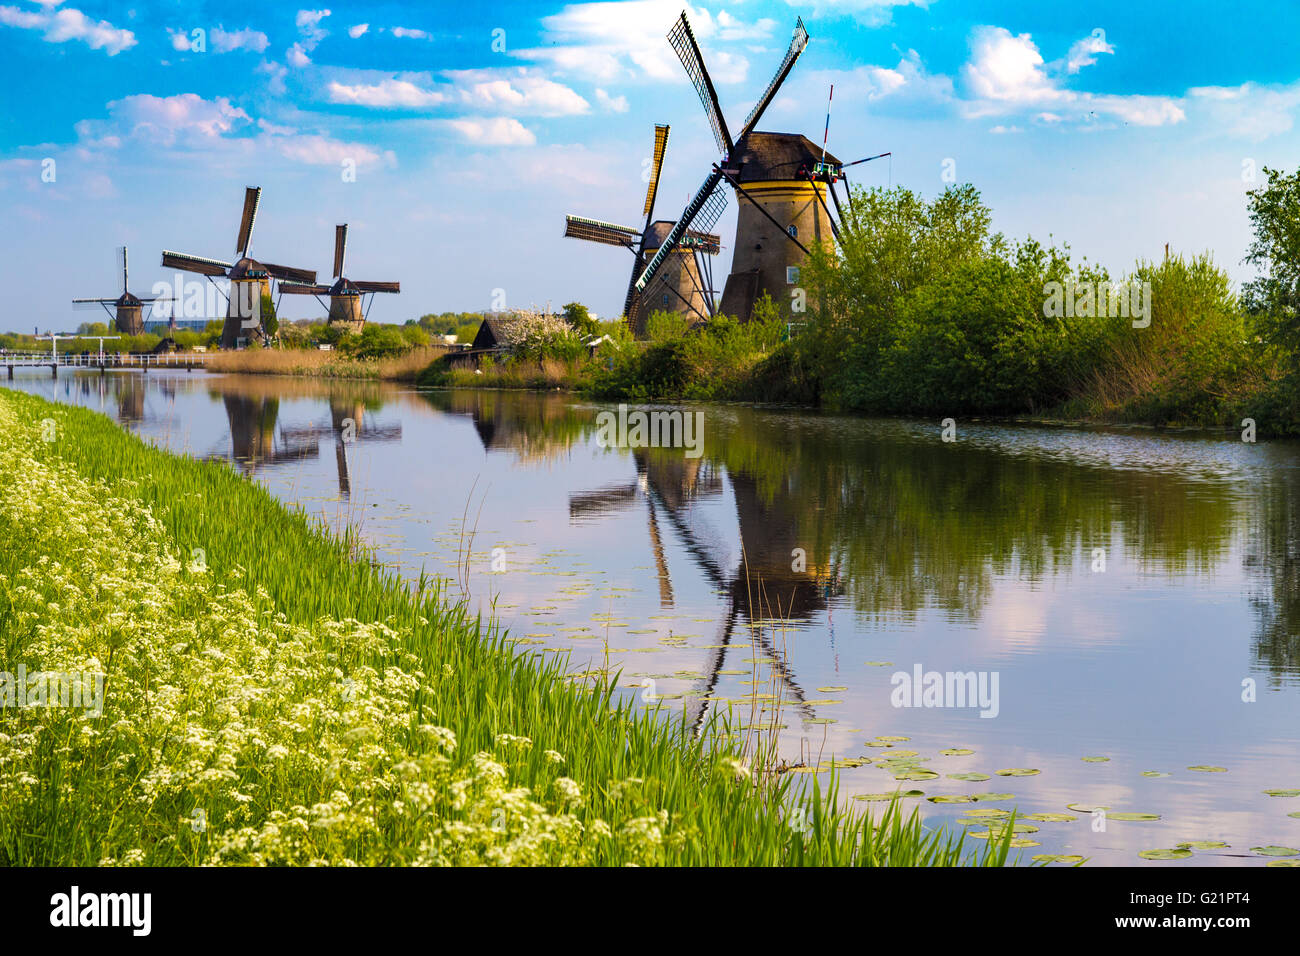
x: 882, y: 797
x: 1275, y: 850
x: 1283, y: 793
x: 969, y: 777
x: 956, y: 752
x: 1051, y: 817
x: 893, y: 740
x: 1084, y: 807
x: 1176, y: 854
x: 1203, y: 845
x: 1056, y: 858
x: 916, y: 775
x: 880, y: 663
x: 1016, y: 772
x: 950, y: 798
x: 1153, y: 773
x: 997, y: 797
x: 990, y: 812
x: 1202, y: 768
x: 1134, y: 817
x: 1294, y: 813
x: 1283, y: 863
x: 1095, y: 759
x: 830, y: 690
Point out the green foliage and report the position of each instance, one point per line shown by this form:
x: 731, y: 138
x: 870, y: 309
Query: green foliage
x: 576, y: 314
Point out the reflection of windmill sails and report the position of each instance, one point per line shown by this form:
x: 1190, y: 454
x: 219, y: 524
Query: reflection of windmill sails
x: 762, y: 587
x: 252, y: 433
x: 349, y: 424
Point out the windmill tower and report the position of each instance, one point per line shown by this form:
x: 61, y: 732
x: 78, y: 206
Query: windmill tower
x: 685, y: 283
x: 250, y: 280
x: 128, y: 310
x: 781, y: 181
x: 348, y: 308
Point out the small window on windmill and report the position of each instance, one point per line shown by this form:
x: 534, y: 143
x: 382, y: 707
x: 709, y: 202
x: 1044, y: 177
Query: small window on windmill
x: 791, y: 273
x: 793, y: 230
x: 665, y: 300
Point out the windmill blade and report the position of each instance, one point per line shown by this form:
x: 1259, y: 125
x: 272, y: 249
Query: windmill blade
x: 592, y: 504
x: 87, y: 303
x: 378, y: 286
x: 656, y: 164
x: 252, y: 198
x: 867, y: 160
x: 797, y: 44
x: 186, y: 263
x: 706, y: 207
x: 289, y: 272
x: 593, y: 230
x: 682, y: 39
x: 340, y: 248
x: 121, y: 254
x: 302, y: 288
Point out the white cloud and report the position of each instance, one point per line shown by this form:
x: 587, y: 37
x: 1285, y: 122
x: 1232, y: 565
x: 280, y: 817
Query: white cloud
x: 60, y: 26
x: 309, y: 28
x: 186, y: 120
x: 224, y: 41
x: 408, y: 33
x: 1252, y: 111
x: 180, y: 40
x: 277, y: 72
x: 319, y: 150
x: 1083, y: 52
x: 358, y: 30
x: 296, y: 56
x: 386, y: 93
x: 496, y: 131
x: 516, y: 91
x: 872, y: 13
x: 611, y: 104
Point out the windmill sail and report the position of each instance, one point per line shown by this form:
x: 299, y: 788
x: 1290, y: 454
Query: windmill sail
x: 340, y: 248
x: 593, y: 230
x: 303, y: 288
x: 797, y: 44
x: 706, y: 207
x: 377, y: 286
x: 289, y: 272
x: 252, y: 198
x: 656, y: 164
x: 188, y: 263
x: 682, y: 40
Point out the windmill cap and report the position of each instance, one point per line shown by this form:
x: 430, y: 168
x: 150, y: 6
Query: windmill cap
x: 247, y: 268
x: 768, y: 157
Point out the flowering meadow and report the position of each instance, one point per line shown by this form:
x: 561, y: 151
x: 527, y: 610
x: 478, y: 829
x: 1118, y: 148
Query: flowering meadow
x: 270, y: 698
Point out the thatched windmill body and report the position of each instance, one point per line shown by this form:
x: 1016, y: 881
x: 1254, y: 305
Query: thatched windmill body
x: 348, y: 307
x: 127, y: 310
x: 250, y: 280
x: 684, y: 283
x: 781, y: 181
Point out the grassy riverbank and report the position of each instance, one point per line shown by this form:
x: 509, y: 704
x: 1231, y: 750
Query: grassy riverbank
x: 313, y: 363
x: 270, y: 698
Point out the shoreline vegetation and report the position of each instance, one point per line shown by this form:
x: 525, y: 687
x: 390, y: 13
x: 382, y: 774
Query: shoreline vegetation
x: 273, y: 696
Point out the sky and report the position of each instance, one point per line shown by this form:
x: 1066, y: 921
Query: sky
x: 454, y: 138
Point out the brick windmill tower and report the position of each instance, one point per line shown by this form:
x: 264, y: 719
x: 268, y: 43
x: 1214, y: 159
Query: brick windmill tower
x: 685, y: 283
x: 127, y: 310
x: 781, y: 181
x: 250, y: 280
x: 348, y: 307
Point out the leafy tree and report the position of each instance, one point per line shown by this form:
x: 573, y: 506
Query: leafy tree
x: 1275, y: 295
x: 576, y: 314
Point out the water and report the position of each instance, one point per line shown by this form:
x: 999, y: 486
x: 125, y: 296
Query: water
x: 975, y: 556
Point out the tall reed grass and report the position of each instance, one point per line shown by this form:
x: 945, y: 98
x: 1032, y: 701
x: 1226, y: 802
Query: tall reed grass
x: 315, y: 363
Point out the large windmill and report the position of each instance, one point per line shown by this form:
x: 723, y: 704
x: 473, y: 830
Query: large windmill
x: 128, y: 310
x: 781, y: 180
x: 685, y: 281
x: 250, y: 280
x: 347, y: 306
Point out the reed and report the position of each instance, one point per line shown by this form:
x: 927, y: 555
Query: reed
x: 315, y: 363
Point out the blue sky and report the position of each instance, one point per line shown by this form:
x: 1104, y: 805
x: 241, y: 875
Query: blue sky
x: 1116, y: 129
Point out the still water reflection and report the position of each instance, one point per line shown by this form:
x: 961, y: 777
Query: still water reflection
x: 1127, y: 591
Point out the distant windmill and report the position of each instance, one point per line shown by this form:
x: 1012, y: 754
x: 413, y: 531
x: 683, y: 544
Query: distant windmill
x: 128, y: 310
x: 346, y: 296
x: 686, y: 286
x: 780, y: 179
x: 250, y: 280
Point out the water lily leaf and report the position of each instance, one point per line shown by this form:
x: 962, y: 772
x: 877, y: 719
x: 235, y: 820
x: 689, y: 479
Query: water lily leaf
x: 1202, y: 768
x: 950, y: 798
x: 1283, y: 793
x: 830, y: 690
x: 1095, y: 759
x: 1051, y: 817
x: 969, y: 777
x: 956, y: 752
x: 1056, y: 858
x: 1294, y: 813
x: 1153, y: 773
x: 916, y: 775
x: 893, y: 740
x: 1020, y: 844
x: 1134, y: 817
x: 880, y: 663
x: 1283, y: 863
x: 1203, y: 845
x: 1165, y: 854
x: 1275, y: 850
x: 1016, y: 772
x: 901, y: 754
x: 993, y: 796
x: 889, y: 796
x: 990, y: 812
x: 1084, y: 807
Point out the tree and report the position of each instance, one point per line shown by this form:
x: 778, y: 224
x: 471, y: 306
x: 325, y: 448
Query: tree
x: 1274, y: 297
x: 580, y: 320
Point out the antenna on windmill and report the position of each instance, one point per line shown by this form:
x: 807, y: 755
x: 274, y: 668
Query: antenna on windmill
x: 827, y: 134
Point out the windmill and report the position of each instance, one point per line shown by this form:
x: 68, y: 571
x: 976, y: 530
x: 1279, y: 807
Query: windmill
x: 685, y: 283
x: 782, y: 203
x: 250, y: 280
x: 347, y: 307
x: 128, y: 310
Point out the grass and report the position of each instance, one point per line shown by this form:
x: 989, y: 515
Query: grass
x: 274, y: 697
x: 313, y: 362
